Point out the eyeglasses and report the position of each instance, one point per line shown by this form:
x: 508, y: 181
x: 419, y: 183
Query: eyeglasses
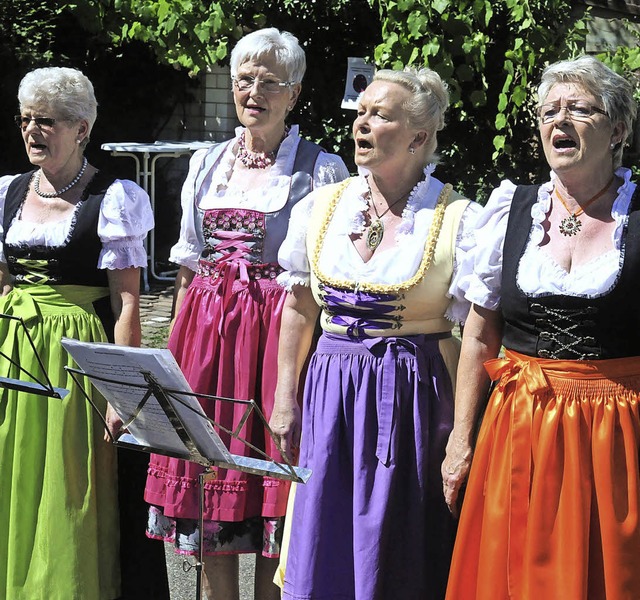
x: 578, y: 111
x: 245, y: 82
x: 41, y: 122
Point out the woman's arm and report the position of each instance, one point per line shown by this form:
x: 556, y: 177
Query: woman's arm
x: 183, y: 281
x: 6, y: 284
x: 299, y: 317
x: 481, y: 341
x: 124, y: 289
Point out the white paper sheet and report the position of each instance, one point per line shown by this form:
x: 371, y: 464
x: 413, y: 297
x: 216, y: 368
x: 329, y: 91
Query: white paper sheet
x: 125, y: 366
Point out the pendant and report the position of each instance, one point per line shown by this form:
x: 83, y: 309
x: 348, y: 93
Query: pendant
x: 570, y: 225
x: 374, y: 234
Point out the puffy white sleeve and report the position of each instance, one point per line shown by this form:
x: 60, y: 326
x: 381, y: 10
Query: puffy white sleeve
x: 292, y: 255
x: 465, y: 243
x: 187, y: 249
x: 125, y: 219
x: 329, y: 168
x: 482, y: 268
x: 4, y: 186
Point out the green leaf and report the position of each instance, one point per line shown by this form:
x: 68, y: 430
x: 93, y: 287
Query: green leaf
x: 440, y: 6
x: 502, y: 101
x: 431, y: 48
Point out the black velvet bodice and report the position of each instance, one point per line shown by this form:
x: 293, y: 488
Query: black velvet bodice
x: 570, y: 327
x: 75, y: 261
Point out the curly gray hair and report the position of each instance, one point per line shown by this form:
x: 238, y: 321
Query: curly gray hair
x: 65, y: 91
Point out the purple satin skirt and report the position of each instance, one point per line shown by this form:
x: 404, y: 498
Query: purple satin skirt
x: 371, y: 523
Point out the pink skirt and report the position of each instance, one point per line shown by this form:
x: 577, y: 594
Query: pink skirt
x: 228, y: 351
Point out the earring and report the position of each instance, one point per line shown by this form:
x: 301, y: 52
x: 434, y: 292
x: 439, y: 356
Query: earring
x: 412, y: 150
x: 612, y: 145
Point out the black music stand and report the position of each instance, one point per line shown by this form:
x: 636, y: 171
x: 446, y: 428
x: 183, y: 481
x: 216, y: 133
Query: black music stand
x: 162, y: 415
x: 34, y: 385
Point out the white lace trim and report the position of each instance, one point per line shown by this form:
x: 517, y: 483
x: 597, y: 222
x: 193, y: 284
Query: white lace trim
x: 287, y: 279
x: 619, y: 210
x: 358, y: 205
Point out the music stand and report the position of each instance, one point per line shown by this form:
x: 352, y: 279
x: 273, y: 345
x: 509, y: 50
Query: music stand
x: 147, y: 389
x: 40, y: 387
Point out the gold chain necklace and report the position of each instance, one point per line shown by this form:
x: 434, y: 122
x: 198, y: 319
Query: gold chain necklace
x: 375, y: 233
x: 571, y: 225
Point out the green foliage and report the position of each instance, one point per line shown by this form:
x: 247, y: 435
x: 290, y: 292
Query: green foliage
x: 27, y: 28
x: 183, y: 33
x: 491, y: 53
x: 625, y: 61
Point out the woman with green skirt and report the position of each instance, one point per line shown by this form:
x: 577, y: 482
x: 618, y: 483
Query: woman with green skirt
x: 72, y: 244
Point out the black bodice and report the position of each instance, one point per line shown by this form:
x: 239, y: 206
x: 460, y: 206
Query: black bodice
x: 75, y: 261
x: 570, y: 327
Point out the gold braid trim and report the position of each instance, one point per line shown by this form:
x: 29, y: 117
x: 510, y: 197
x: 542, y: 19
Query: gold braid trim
x: 427, y: 257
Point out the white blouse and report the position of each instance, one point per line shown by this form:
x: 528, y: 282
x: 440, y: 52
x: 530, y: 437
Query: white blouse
x: 215, y: 193
x: 538, y: 272
x: 125, y: 218
x: 340, y: 259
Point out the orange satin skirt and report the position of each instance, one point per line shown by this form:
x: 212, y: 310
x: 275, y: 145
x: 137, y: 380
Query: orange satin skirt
x: 553, y: 498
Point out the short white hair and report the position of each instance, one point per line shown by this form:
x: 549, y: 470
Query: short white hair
x: 65, y: 91
x: 282, y: 44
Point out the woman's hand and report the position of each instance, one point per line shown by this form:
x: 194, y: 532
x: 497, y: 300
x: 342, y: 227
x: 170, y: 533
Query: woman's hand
x: 286, y: 424
x: 114, y: 424
x: 480, y: 342
x: 299, y: 316
x: 455, y: 470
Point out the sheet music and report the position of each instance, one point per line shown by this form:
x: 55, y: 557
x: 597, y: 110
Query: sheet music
x: 125, y: 366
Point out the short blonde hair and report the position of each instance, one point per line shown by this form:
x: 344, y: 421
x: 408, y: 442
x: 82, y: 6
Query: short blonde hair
x: 428, y: 104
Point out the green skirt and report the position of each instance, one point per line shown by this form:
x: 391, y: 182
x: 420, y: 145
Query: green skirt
x: 58, y: 489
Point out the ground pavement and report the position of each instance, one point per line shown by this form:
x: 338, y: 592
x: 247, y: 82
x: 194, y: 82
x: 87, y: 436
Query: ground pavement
x: 155, y: 311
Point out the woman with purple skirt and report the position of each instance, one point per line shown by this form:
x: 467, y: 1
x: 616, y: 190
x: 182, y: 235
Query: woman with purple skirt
x: 377, y: 259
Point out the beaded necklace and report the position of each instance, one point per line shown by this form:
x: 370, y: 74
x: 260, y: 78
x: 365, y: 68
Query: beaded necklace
x: 66, y: 188
x: 257, y: 160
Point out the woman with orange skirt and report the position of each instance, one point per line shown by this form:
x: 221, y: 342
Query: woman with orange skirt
x: 552, y: 503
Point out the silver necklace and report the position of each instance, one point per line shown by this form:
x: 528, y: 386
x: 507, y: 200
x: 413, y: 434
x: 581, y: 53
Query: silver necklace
x: 66, y: 188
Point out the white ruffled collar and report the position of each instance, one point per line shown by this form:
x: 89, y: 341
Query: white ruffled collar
x: 358, y: 204
x: 619, y: 210
x: 286, y: 154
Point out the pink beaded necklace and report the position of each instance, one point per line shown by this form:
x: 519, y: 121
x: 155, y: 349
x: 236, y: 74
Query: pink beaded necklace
x: 257, y: 160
